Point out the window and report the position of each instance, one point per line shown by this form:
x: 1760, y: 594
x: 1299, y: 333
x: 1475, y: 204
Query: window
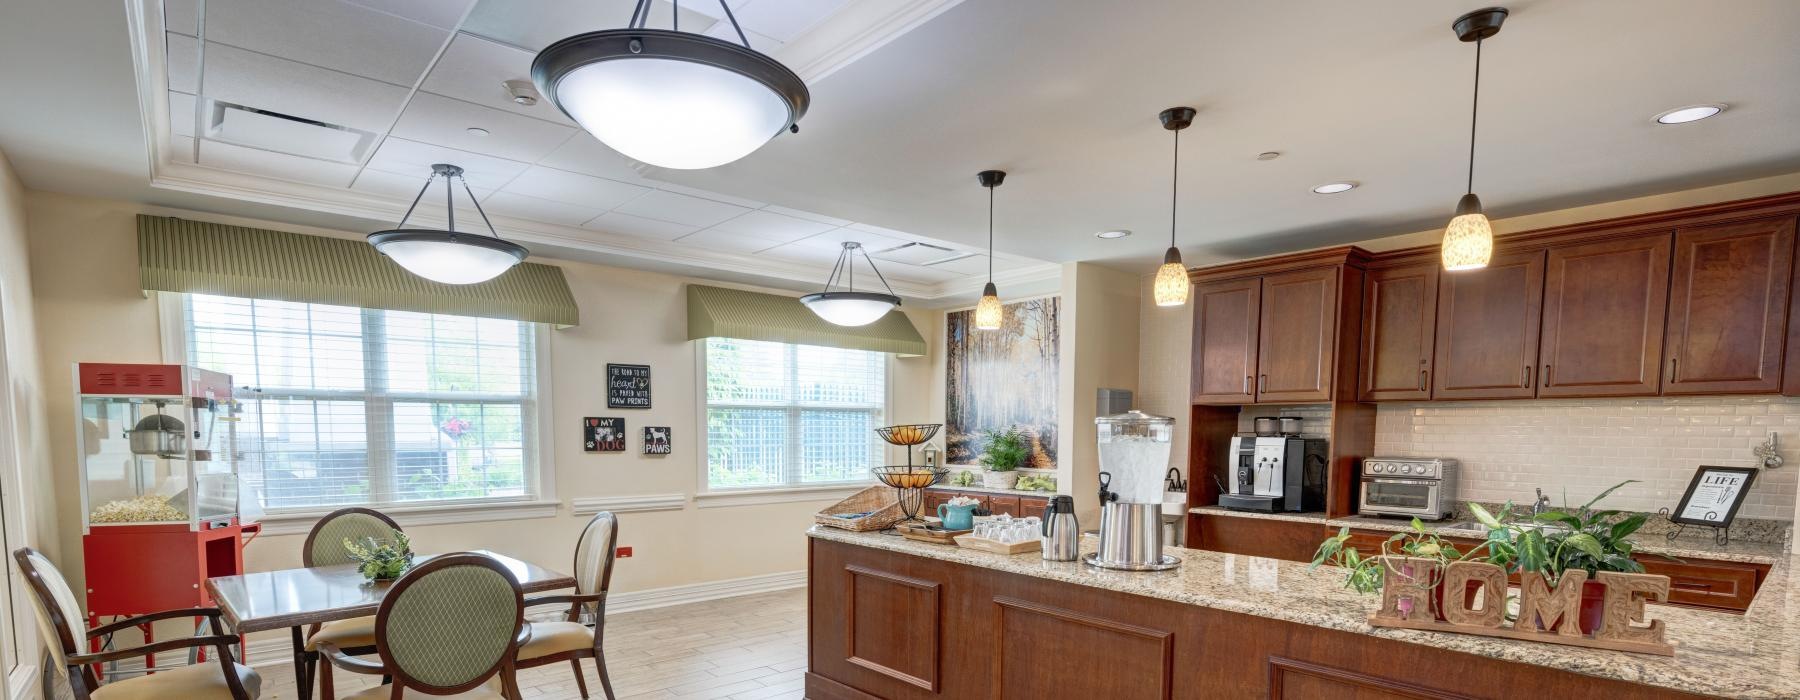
x: 791, y: 415
x: 369, y: 407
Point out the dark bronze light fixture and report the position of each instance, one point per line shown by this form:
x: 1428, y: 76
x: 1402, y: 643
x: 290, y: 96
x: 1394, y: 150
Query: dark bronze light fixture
x: 1469, y: 239
x: 988, y: 313
x: 448, y: 256
x: 1171, y: 286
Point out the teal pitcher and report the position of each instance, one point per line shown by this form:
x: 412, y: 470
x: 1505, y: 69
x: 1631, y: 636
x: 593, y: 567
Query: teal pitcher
x: 957, y: 517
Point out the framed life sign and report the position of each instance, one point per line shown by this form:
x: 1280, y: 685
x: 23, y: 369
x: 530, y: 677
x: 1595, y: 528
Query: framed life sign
x: 627, y: 386
x: 1713, y: 497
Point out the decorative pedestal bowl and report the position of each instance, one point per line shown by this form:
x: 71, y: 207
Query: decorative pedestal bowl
x: 910, y: 482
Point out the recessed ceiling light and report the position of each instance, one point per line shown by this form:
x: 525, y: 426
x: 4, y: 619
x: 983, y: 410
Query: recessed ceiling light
x: 1115, y: 233
x: 1334, y: 187
x: 1268, y: 155
x: 476, y: 131
x: 1690, y: 113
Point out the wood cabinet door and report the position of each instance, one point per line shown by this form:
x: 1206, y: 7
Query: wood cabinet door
x: 1604, y: 307
x: 1032, y: 505
x: 1297, y: 335
x: 1005, y: 504
x: 1398, y: 329
x: 1225, y: 335
x: 934, y: 498
x: 1487, y: 329
x: 1723, y: 585
x: 1728, y: 308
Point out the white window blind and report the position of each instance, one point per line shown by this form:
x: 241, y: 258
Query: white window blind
x: 791, y: 415
x: 369, y: 407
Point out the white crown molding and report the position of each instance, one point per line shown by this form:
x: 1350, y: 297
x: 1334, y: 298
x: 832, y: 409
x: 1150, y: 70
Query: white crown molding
x: 853, y: 31
x: 628, y: 504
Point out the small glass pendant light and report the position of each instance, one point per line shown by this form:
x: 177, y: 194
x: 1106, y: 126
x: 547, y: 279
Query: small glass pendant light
x: 988, y: 314
x: 1469, y: 239
x: 1171, y: 287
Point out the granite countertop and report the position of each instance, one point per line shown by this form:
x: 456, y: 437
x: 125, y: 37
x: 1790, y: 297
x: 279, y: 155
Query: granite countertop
x: 984, y: 489
x: 1754, y: 655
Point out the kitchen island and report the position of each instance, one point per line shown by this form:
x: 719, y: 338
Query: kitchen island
x: 896, y: 618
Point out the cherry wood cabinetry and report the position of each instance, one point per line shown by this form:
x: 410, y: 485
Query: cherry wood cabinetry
x: 1728, y: 307
x: 1259, y: 537
x: 1297, y: 336
x: 1487, y: 329
x: 1399, y: 327
x: 1604, y: 306
x: 1722, y: 585
x: 1226, y: 315
x: 1018, y: 506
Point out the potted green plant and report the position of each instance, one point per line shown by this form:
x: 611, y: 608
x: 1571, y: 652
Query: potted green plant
x: 381, y: 560
x: 1006, y: 451
x: 1366, y: 574
x: 1555, y: 542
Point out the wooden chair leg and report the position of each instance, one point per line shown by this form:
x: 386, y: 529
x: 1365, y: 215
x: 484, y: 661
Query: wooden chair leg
x: 580, y: 679
x: 605, y: 680
x: 326, y: 690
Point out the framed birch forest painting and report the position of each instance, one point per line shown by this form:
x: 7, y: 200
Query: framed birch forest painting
x: 1003, y: 379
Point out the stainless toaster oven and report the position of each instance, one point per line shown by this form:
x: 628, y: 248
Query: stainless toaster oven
x: 1424, y: 487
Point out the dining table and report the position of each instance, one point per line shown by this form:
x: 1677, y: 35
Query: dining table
x: 298, y: 598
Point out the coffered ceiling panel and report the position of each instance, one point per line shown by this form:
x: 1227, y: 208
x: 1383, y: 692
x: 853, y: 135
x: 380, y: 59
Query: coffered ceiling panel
x: 915, y: 273
x: 540, y: 23
x: 772, y: 227
x: 586, y: 155
x: 181, y: 114
x: 437, y: 13
x: 714, y: 239
x: 277, y: 165
x: 404, y: 187
x: 509, y: 204
x: 809, y: 216
x: 969, y: 265
x: 617, y: 222
x: 182, y: 16
x: 681, y: 209
x: 333, y: 34
x: 572, y: 188
x: 473, y: 70
x: 835, y: 239
x: 184, y: 63
x: 758, y: 41
x: 785, y: 19
x: 265, y: 82
x: 412, y: 158
x: 446, y: 122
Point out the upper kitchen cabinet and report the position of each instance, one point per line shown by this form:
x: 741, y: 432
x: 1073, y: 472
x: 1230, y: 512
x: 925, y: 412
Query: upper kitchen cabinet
x: 1604, y: 305
x: 1728, y: 307
x: 1225, y: 335
x: 1399, y: 327
x: 1298, y: 336
x: 1487, y: 329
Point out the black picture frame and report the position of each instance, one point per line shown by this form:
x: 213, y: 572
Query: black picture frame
x: 658, y: 440
x: 627, y: 386
x: 1737, y: 501
x: 603, y: 434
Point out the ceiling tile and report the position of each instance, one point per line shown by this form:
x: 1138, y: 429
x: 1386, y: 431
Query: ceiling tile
x: 473, y: 70
x: 444, y: 121
x: 758, y: 41
x: 184, y: 63
x: 716, y: 240
x: 804, y: 253
x: 641, y: 227
x: 412, y: 158
x: 278, y: 85
x: 889, y: 232
x: 769, y: 226
x: 182, y: 16
x: 914, y: 273
x: 709, y: 194
x: 406, y: 187
x: 329, y: 33
x: 681, y: 209
x: 913, y: 254
x: 437, y: 13
x: 509, y: 204
x: 711, y: 9
x: 809, y: 216
x: 835, y: 239
x: 276, y: 165
x: 181, y: 114
x: 570, y: 188
x: 586, y: 155
x: 785, y: 19
x: 971, y: 265
x: 550, y: 20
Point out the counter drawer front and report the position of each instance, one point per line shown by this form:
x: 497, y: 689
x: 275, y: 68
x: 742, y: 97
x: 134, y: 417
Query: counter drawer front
x: 1711, y: 584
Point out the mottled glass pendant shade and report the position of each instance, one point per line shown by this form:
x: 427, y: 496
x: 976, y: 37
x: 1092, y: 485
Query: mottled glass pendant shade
x: 1171, y: 287
x: 987, y: 311
x: 1469, y: 240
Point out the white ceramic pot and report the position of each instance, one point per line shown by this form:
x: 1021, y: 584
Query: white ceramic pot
x: 999, y: 480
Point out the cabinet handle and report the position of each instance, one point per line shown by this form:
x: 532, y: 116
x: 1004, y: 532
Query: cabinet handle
x: 1674, y: 375
x: 1246, y: 385
x: 1525, y: 377
x: 1262, y: 381
x: 1424, y: 378
x: 1549, y: 375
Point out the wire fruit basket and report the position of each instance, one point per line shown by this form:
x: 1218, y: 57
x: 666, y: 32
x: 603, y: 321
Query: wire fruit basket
x: 909, y: 435
x: 910, y: 483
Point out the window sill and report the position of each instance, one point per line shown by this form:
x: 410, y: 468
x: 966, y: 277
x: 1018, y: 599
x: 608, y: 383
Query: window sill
x: 416, y: 515
x: 758, y: 497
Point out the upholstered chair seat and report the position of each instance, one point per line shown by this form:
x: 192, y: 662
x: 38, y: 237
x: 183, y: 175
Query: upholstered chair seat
x: 556, y: 637
x: 202, y: 681
x: 344, y: 634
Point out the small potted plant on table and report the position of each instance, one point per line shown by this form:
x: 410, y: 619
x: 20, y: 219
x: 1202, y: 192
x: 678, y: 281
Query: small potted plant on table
x: 1006, y: 451
x: 1555, y: 542
x: 381, y: 561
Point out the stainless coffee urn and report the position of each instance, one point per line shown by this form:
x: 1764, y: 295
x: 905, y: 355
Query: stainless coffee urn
x: 1134, y: 454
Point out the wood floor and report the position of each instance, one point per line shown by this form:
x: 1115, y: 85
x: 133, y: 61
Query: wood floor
x: 745, y: 648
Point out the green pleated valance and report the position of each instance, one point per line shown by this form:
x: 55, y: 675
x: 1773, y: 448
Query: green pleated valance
x: 177, y: 255
x: 716, y: 312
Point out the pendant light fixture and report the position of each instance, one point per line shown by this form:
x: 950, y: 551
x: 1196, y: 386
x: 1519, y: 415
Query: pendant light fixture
x: 1469, y: 239
x: 1171, y: 287
x: 850, y: 307
x: 447, y: 256
x: 670, y: 98
x: 987, y: 312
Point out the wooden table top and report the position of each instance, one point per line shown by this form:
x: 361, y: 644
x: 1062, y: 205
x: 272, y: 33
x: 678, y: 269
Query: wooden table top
x: 271, y: 600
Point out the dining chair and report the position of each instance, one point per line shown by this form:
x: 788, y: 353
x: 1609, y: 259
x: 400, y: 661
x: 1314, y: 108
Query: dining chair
x: 58, y: 616
x: 568, y: 639
x: 450, y: 626
x: 325, y: 547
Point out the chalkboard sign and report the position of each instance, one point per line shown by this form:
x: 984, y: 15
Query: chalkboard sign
x: 627, y: 386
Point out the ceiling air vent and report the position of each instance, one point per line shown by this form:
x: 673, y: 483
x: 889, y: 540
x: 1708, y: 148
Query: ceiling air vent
x: 285, y: 133
x: 915, y: 254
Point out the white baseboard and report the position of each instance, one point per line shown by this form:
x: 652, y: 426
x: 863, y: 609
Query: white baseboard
x: 276, y: 650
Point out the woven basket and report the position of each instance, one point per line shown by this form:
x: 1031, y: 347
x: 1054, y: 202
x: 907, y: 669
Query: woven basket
x: 882, y: 506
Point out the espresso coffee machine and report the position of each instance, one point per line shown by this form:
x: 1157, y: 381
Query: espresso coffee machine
x: 1271, y: 474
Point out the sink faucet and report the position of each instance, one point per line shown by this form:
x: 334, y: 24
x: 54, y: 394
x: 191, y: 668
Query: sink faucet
x: 1542, y: 505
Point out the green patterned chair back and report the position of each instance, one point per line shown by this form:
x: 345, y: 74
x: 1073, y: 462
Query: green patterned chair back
x: 594, y: 557
x: 450, y: 623
x: 58, y: 613
x: 325, y: 544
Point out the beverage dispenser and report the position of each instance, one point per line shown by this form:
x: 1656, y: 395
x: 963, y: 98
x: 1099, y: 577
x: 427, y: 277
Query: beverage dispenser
x: 1134, y: 455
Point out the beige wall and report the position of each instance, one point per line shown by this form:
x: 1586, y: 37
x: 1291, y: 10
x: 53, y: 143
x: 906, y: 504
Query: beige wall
x: 1099, y: 350
x: 83, y: 257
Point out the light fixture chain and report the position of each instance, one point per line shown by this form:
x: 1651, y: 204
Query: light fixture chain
x: 416, y: 198
x: 734, y: 25
x: 1474, y: 112
x: 478, y: 209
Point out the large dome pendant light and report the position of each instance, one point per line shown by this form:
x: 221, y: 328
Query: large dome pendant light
x: 447, y: 256
x: 851, y: 307
x: 670, y: 98
x: 1171, y: 286
x: 1469, y: 239
x: 988, y: 313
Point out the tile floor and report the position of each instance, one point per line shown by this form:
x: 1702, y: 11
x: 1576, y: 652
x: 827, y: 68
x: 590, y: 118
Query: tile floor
x: 744, y: 648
